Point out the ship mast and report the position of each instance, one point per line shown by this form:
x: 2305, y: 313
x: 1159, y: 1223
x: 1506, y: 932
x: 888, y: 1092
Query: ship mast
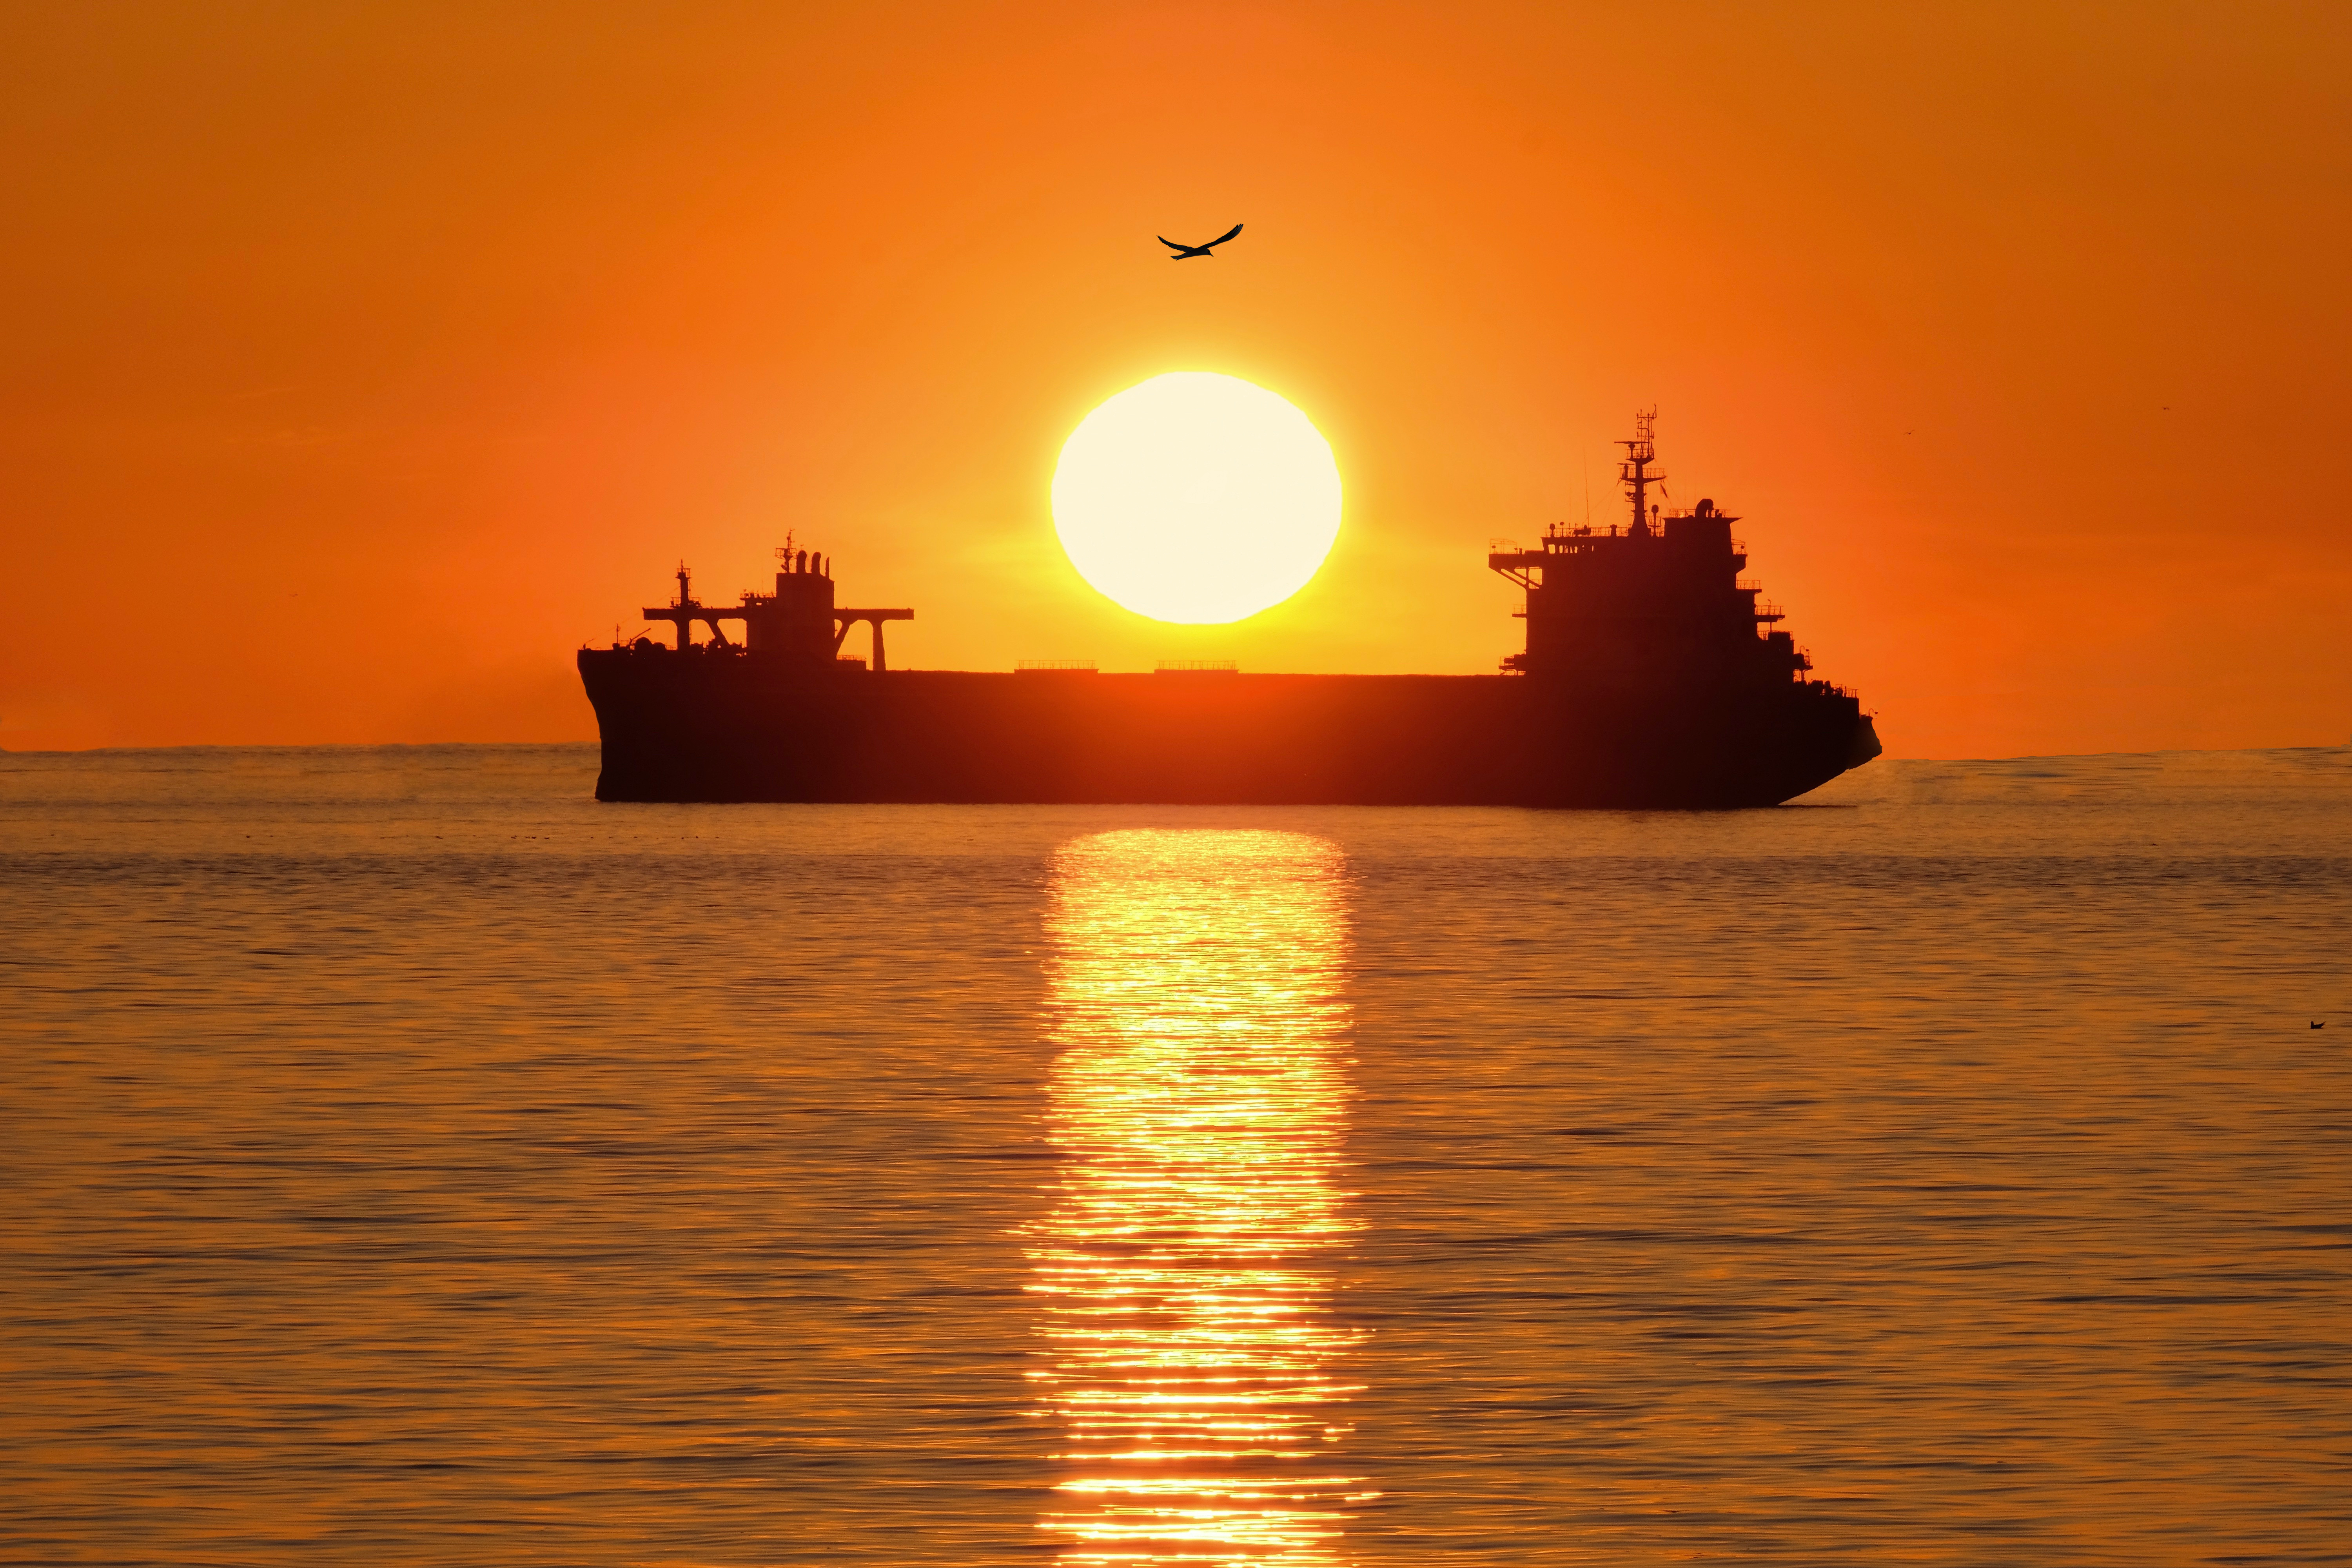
x: 1633, y: 472
x: 685, y: 612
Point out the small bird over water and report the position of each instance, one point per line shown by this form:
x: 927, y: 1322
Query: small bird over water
x: 1183, y: 251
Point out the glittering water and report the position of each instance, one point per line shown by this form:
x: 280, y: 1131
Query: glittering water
x: 408, y: 1160
x: 1199, y: 1103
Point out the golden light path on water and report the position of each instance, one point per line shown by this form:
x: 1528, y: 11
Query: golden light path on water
x: 1184, y: 1275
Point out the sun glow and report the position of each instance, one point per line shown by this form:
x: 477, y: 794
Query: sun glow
x: 1196, y: 497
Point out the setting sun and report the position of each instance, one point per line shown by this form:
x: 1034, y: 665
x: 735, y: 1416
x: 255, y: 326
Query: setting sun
x: 1196, y: 497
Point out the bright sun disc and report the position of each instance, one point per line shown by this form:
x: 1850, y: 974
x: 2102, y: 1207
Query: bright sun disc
x: 1196, y: 497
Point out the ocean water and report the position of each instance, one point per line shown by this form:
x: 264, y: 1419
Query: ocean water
x: 407, y: 1160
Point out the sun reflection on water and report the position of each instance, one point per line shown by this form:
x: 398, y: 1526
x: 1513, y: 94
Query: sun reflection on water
x: 1199, y: 1103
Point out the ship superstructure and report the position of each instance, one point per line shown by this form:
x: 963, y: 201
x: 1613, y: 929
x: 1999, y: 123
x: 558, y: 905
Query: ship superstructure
x: 1658, y: 602
x: 799, y: 620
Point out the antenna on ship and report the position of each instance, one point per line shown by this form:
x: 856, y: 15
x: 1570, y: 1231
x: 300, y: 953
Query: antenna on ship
x: 1634, y: 474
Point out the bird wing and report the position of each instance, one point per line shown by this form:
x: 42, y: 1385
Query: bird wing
x: 1170, y: 243
x: 1224, y: 237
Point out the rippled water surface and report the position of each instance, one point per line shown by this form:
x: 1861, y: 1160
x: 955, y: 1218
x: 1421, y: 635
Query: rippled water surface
x: 409, y: 1161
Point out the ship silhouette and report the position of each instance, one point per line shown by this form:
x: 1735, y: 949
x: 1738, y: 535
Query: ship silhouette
x: 1651, y: 678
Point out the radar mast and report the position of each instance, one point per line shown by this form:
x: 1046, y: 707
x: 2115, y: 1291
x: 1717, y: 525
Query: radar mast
x: 1635, y: 473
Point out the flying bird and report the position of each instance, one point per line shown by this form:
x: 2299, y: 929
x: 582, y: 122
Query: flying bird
x: 1183, y: 251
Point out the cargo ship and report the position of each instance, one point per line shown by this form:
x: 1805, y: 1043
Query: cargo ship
x: 1651, y: 678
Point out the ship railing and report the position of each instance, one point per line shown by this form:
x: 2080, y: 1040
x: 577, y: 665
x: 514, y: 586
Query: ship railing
x: 1054, y: 665
x: 1196, y: 667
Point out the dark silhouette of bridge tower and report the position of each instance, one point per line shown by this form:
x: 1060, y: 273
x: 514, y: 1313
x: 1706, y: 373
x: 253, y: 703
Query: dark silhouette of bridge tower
x: 1659, y: 607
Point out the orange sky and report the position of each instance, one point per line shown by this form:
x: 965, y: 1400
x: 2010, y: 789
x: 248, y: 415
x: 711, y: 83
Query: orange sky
x: 361, y: 361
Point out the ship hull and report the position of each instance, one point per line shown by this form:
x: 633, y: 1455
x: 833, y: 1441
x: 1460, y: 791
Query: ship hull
x: 697, y: 727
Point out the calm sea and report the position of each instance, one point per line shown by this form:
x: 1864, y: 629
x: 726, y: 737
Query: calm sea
x: 407, y: 1160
